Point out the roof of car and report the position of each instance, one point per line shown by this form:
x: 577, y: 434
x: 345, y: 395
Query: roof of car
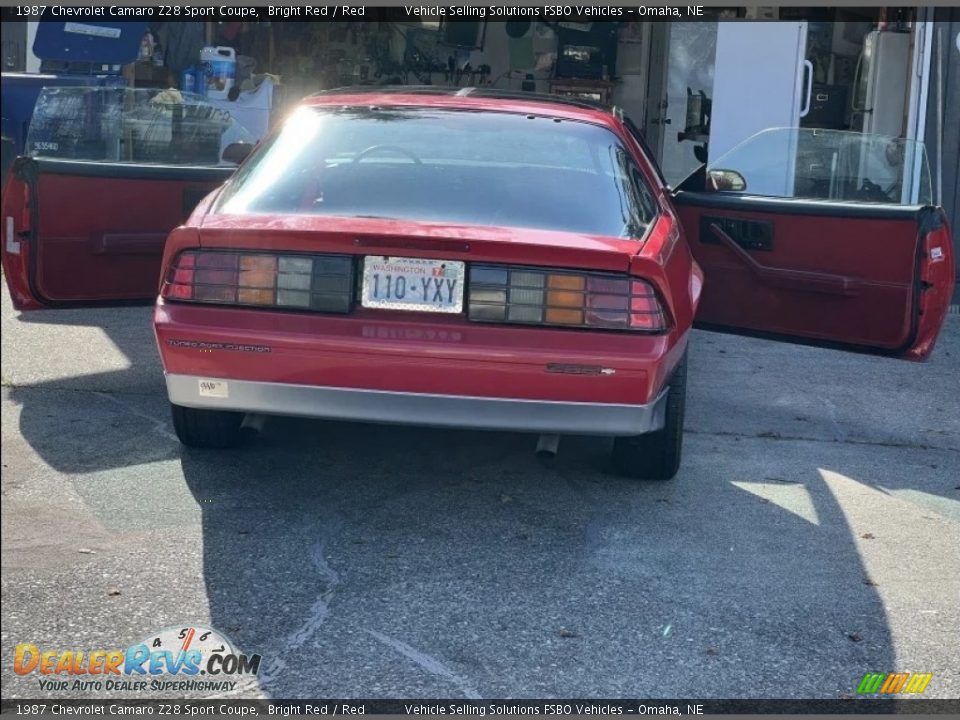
x: 467, y: 98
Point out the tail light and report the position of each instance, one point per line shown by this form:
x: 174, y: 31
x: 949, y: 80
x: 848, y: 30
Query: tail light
x: 310, y: 282
x: 557, y: 297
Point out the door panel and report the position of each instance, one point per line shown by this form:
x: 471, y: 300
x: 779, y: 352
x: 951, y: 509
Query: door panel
x: 864, y: 277
x: 91, y: 233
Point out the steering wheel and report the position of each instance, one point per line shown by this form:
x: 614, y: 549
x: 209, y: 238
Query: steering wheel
x: 388, y: 148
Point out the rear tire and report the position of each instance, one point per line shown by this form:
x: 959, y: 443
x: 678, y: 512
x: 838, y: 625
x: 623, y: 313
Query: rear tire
x: 206, y: 428
x: 656, y: 455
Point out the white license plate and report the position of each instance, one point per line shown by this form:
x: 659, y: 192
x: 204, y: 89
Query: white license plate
x: 416, y: 284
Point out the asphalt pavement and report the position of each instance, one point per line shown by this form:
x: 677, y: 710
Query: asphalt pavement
x: 811, y: 536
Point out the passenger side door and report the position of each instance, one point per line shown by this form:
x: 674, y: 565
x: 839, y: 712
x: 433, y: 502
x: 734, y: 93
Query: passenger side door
x: 841, y: 249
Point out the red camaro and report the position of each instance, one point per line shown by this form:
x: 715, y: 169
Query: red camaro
x: 474, y: 259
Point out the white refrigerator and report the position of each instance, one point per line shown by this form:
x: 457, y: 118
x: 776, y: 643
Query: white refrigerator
x: 761, y: 81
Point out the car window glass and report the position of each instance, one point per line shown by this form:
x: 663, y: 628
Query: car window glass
x: 637, y: 135
x: 833, y: 165
x: 463, y: 167
x: 638, y: 208
x: 126, y: 125
x: 645, y: 199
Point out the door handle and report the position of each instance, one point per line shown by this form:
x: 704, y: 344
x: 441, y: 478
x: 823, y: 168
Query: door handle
x: 787, y: 279
x: 748, y: 234
x: 808, y: 71
x: 856, y: 85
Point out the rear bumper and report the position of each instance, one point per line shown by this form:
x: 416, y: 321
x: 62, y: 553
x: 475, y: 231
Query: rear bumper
x: 543, y: 416
x: 409, y: 353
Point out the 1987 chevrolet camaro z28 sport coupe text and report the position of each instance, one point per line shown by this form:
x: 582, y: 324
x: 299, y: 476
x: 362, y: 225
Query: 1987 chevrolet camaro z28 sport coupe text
x: 465, y: 258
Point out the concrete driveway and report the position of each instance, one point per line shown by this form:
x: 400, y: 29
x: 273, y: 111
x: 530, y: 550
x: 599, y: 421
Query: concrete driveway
x: 811, y: 536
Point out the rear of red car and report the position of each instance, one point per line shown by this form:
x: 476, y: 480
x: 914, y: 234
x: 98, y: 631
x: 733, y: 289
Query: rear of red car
x: 434, y: 261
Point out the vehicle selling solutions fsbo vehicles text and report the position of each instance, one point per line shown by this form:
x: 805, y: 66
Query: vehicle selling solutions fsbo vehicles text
x: 545, y: 11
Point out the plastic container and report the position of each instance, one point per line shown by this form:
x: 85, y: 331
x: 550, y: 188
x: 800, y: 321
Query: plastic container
x: 251, y: 109
x: 188, y: 80
x: 194, y: 80
x: 202, y: 73
x: 222, y: 62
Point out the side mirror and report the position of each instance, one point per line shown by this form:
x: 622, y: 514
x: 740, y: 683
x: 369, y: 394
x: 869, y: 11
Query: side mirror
x: 237, y: 152
x: 725, y: 180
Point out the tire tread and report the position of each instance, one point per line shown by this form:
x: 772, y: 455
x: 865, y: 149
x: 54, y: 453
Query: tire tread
x: 656, y: 455
x: 206, y: 428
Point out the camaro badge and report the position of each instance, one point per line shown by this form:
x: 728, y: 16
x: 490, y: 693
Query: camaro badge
x: 570, y: 369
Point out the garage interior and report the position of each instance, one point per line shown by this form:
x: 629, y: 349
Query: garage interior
x: 661, y: 73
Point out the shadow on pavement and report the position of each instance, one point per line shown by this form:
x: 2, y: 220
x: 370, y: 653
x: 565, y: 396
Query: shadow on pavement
x: 367, y: 560
x: 514, y: 579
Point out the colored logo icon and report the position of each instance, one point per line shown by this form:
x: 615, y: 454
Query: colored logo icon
x: 894, y: 683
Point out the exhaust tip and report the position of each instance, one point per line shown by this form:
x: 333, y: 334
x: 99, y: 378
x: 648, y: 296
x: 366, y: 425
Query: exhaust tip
x: 547, y: 446
x: 252, y: 424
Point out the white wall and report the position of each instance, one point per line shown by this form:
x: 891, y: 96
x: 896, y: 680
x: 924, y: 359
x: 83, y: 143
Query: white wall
x: 33, y: 62
x: 630, y: 93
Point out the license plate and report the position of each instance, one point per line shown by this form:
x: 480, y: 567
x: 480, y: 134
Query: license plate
x: 416, y: 284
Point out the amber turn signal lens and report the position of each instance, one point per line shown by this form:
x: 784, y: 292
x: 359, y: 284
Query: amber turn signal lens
x: 257, y: 271
x: 562, y: 298
x: 566, y: 282
x: 564, y: 317
x: 258, y: 262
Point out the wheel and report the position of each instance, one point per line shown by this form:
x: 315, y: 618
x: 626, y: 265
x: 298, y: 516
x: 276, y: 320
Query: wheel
x: 656, y: 455
x: 206, y: 428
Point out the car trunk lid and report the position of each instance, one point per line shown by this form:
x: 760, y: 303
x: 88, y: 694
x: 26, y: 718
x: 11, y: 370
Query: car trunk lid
x: 383, y: 236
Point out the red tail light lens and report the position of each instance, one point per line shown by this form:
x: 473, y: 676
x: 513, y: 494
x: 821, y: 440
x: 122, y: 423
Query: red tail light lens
x: 564, y: 298
x: 309, y: 282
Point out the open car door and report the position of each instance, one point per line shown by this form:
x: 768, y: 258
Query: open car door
x: 107, y: 174
x: 821, y: 237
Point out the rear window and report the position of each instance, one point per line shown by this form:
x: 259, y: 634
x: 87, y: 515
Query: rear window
x: 458, y: 167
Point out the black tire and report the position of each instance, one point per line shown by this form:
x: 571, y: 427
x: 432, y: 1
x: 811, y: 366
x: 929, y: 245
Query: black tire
x: 207, y: 428
x: 656, y: 455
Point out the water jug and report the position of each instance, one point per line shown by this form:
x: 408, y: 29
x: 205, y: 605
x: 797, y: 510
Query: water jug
x: 222, y: 62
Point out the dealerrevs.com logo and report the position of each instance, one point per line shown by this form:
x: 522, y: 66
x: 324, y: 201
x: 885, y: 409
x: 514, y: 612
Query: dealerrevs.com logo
x: 174, y: 659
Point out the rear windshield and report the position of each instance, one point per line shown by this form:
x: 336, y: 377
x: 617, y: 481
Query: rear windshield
x: 459, y: 167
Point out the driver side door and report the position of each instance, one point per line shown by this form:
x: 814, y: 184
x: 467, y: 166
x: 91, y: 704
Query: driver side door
x: 108, y: 173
